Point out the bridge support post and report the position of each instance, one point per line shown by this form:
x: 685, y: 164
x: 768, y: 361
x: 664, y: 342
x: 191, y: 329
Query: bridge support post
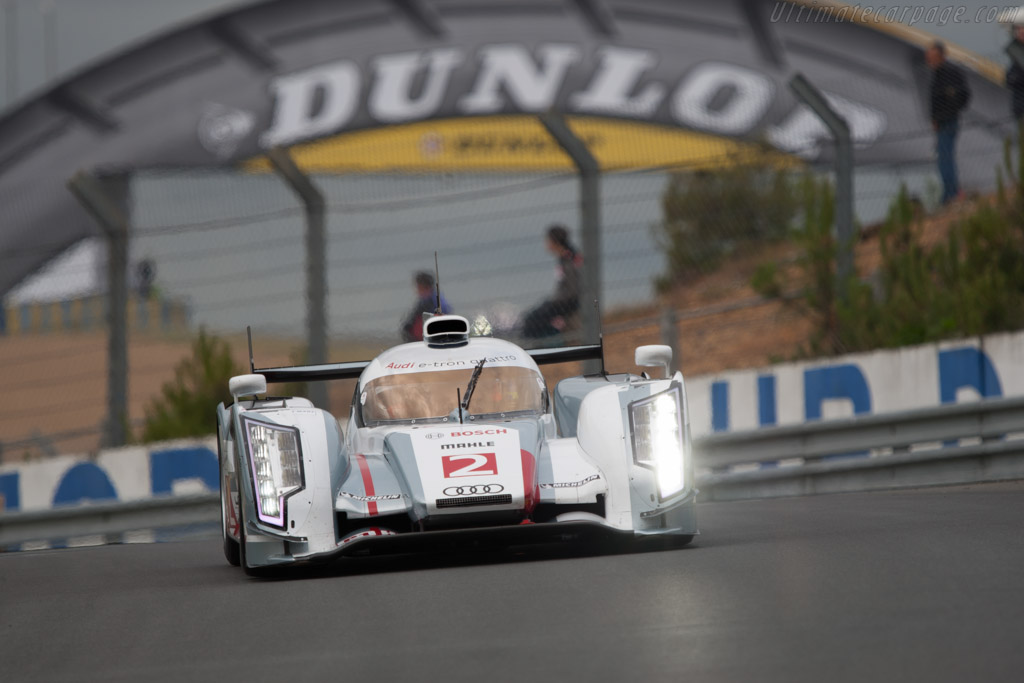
x: 106, y: 200
x: 590, y: 226
x: 316, y: 265
x: 807, y: 93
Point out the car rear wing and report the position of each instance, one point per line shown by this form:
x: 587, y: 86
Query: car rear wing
x: 352, y: 369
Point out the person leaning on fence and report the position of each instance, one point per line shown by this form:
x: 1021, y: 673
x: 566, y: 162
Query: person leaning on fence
x: 549, y: 317
x: 949, y: 96
x: 426, y: 302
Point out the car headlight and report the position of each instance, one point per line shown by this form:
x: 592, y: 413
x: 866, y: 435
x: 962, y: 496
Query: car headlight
x: 659, y: 440
x: 276, y: 464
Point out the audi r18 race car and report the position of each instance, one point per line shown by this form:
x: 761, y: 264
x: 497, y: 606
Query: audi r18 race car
x: 453, y: 441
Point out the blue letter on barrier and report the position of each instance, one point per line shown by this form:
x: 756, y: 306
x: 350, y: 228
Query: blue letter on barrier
x: 766, y: 400
x: 10, y: 491
x: 84, y: 481
x: 967, y: 367
x: 719, y: 406
x: 836, y: 381
x: 167, y: 467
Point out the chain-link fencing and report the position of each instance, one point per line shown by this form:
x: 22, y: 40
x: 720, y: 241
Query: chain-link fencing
x: 685, y: 222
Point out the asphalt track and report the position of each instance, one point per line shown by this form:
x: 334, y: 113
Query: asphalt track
x: 923, y: 585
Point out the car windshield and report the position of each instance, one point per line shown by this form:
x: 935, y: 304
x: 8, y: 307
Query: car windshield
x: 500, y: 390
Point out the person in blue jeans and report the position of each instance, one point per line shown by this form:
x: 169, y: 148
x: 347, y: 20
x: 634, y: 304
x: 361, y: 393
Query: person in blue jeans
x: 949, y: 96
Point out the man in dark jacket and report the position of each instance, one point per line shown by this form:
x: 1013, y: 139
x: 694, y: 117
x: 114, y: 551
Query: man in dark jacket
x: 949, y: 96
x: 1015, y: 78
x: 426, y: 302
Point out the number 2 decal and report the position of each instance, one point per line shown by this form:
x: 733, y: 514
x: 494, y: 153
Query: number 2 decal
x: 479, y: 464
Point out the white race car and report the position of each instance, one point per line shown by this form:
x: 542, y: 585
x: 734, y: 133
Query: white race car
x: 453, y: 441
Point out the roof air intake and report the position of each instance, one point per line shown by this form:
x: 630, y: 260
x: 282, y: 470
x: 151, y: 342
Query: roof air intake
x: 446, y: 330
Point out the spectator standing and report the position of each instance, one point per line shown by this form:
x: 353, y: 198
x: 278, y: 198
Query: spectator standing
x: 1015, y: 77
x: 548, y: 317
x: 426, y: 302
x: 145, y: 273
x: 949, y: 96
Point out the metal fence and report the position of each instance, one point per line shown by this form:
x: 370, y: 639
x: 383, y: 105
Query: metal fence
x: 225, y: 248
x: 950, y: 444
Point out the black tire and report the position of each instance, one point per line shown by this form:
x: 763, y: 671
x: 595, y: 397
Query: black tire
x: 232, y: 553
x: 243, y: 561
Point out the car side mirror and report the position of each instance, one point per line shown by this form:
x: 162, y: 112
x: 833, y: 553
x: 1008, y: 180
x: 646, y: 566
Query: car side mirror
x: 654, y: 356
x: 247, y: 385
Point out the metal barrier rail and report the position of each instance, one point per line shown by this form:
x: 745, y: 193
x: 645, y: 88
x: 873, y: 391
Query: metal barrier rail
x: 910, y: 448
x: 896, y: 450
x: 108, y: 519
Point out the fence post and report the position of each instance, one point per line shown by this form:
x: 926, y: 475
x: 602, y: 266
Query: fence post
x: 840, y: 129
x: 106, y: 201
x: 316, y: 265
x: 670, y: 336
x: 590, y: 226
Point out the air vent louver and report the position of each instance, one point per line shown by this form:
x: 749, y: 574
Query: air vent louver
x: 474, y: 501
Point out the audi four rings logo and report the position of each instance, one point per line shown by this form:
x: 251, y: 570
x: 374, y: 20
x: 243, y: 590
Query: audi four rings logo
x: 473, y: 490
x: 435, y: 435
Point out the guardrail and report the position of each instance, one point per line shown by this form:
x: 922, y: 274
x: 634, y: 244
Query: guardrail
x: 950, y: 444
x: 110, y: 520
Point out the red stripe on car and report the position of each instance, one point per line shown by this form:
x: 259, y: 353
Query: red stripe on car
x: 531, y: 489
x: 364, y: 469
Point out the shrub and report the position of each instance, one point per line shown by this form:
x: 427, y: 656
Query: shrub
x: 971, y: 283
x: 186, y: 404
x: 708, y: 214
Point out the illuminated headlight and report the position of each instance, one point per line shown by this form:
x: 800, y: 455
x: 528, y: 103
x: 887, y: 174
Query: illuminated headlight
x: 276, y: 462
x: 659, y: 442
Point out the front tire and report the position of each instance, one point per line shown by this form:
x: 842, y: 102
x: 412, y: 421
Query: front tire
x: 232, y: 552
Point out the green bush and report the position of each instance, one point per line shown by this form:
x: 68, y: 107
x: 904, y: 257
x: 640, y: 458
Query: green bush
x: 765, y: 280
x: 971, y: 283
x: 709, y: 214
x: 186, y: 404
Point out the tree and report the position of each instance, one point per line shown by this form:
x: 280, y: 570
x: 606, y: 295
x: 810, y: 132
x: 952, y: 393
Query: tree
x: 186, y: 404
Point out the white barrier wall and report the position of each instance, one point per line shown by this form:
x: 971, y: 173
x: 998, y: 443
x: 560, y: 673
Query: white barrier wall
x: 864, y: 383
x: 132, y: 473
x: 878, y: 382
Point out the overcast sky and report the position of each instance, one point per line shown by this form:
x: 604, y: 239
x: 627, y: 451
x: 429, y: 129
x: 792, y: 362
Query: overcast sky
x: 85, y: 30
